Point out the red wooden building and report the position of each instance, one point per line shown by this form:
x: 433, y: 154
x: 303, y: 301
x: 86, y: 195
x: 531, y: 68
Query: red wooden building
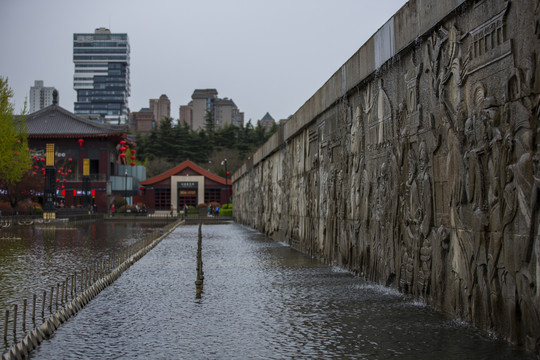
x: 185, y: 184
x: 75, y: 139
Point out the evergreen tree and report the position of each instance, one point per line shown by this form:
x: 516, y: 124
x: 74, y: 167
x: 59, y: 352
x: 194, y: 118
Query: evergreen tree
x: 168, y: 148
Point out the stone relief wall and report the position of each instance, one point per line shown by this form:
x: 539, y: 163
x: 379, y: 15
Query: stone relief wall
x: 426, y: 176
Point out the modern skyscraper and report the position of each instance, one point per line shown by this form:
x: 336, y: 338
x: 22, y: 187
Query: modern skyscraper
x: 102, y: 75
x: 40, y: 96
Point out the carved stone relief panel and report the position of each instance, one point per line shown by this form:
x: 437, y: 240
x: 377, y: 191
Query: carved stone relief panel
x: 489, y: 42
x: 426, y: 177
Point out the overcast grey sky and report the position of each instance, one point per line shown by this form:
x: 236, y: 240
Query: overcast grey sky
x: 268, y: 56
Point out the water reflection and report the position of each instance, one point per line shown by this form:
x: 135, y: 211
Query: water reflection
x: 34, y: 258
x: 261, y: 300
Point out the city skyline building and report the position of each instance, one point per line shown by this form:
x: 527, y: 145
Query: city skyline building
x: 142, y: 121
x: 224, y: 111
x: 161, y: 108
x: 40, y: 96
x: 101, y: 77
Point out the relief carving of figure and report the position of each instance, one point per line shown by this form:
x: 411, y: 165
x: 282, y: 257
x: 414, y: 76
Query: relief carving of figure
x: 534, y: 235
x: 426, y: 219
x: 473, y: 168
x: 411, y: 216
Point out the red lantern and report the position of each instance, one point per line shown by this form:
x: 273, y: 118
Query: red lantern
x: 81, y: 142
x: 132, y: 164
x: 69, y: 171
x: 133, y: 151
x: 122, y: 142
x: 132, y: 157
x: 63, y: 192
x: 94, y: 192
x: 122, y: 155
x: 74, y: 192
x: 69, y: 159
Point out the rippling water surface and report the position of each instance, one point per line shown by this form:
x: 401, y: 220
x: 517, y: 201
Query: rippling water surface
x: 261, y: 300
x: 34, y: 258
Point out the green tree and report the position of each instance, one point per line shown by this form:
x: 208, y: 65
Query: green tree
x: 14, y: 154
x: 167, y: 143
x: 227, y: 136
x: 210, y: 123
x: 260, y: 135
x: 184, y: 145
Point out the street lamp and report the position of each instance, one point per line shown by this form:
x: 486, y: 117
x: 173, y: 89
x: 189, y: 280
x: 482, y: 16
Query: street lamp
x: 125, y: 186
x: 224, y: 163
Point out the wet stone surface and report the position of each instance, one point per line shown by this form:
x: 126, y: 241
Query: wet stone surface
x: 261, y: 299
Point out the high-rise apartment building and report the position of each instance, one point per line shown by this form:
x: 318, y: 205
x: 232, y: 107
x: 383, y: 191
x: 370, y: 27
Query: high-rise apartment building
x: 142, y: 121
x: 224, y: 111
x: 40, y: 96
x: 160, y: 107
x: 102, y: 75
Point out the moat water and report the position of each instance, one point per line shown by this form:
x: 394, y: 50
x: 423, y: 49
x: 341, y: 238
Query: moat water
x: 34, y: 258
x: 261, y: 300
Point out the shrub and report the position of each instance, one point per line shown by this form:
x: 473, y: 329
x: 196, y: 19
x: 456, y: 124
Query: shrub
x: 225, y: 212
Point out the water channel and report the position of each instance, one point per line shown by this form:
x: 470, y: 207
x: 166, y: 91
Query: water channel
x: 261, y: 300
x: 34, y: 258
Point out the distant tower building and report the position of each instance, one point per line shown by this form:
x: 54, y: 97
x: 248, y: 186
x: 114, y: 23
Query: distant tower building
x: 203, y: 100
x: 224, y: 110
x: 142, y: 121
x: 102, y: 75
x: 160, y: 107
x: 40, y: 96
x: 267, y: 122
x: 186, y: 114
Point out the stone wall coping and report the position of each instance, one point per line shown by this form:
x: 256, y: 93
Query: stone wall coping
x: 413, y: 20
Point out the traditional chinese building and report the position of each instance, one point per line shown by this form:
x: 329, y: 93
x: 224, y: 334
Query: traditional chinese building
x: 185, y: 184
x: 78, y: 141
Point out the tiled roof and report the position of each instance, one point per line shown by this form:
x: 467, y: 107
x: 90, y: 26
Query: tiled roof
x: 179, y: 168
x: 267, y: 116
x: 57, y: 121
